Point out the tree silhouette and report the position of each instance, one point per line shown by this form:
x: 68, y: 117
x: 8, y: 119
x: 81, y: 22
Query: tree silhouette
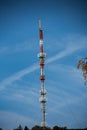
x: 56, y: 128
x: 26, y: 128
x: 36, y: 127
x: 19, y: 128
x: 59, y: 128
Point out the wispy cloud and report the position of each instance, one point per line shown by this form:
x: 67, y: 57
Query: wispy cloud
x: 28, y: 97
x: 8, y: 81
x: 16, y: 48
x: 64, y: 100
x: 70, y: 48
x: 14, y: 120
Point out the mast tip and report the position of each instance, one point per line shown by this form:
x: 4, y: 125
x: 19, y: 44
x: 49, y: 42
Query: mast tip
x: 40, y: 25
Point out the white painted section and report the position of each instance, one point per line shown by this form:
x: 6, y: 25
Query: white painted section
x: 40, y: 25
x: 41, y: 42
x: 41, y: 71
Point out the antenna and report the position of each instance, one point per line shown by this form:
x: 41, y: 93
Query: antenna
x: 42, y: 56
x: 40, y: 25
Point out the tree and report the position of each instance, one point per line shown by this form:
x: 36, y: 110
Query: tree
x: 19, y: 128
x: 26, y: 128
x: 36, y: 127
x: 56, y: 128
x: 59, y: 128
x: 47, y: 128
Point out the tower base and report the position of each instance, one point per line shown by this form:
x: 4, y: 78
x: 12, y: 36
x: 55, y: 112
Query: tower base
x: 43, y: 124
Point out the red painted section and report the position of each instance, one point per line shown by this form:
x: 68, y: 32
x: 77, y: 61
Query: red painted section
x: 42, y: 77
x: 42, y: 63
x: 41, y: 34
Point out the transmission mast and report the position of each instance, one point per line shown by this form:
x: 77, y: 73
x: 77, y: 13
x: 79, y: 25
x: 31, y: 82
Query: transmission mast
x: 42, y: 57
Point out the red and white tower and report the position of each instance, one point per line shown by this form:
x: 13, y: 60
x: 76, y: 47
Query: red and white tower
x: 42, y: 56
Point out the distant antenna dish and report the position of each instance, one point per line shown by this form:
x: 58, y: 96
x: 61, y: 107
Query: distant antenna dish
x: 82, y: 64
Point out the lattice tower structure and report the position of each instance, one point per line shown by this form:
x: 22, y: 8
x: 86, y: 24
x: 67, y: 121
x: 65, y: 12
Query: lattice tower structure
x: 42, y: 57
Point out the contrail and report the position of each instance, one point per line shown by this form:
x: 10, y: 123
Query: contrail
x: 8, y: 81
x: 69, y: 50
x: 17, y: 76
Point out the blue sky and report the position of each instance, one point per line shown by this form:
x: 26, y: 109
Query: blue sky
x: 65, y: 41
